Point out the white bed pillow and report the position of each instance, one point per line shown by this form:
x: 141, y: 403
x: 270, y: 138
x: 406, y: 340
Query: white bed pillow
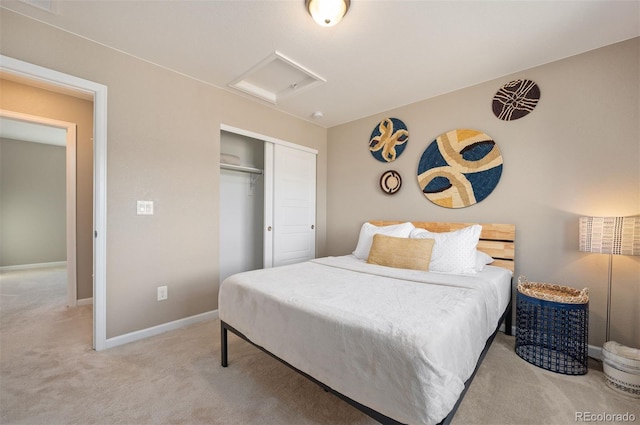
x: 453, y: 252
x: 482, y: 259
x: 368, y: 230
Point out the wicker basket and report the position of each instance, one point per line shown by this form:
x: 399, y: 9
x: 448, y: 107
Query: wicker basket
x: 552, y: 326
x: 553, y: 292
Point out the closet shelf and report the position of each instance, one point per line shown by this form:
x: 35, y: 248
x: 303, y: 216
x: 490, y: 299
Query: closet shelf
x: 241, y: 168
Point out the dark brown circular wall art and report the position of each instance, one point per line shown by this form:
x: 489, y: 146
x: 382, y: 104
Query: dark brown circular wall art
x: 390, y: 182
x: 515, y: 99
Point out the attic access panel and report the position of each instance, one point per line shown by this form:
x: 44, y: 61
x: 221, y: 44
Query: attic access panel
x: 275, y: 78
x: 41, y: 4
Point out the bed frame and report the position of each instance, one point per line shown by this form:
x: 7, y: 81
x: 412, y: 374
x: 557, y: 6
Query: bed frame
x: 497, y: 240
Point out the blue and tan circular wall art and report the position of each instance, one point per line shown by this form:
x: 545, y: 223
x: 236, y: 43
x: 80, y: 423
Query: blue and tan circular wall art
x: 515, y: 99
x: 459, y: 168
x: 388, y: 140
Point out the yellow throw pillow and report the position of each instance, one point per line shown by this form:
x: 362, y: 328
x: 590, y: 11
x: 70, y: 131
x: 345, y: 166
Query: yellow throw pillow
x: 401, y: 253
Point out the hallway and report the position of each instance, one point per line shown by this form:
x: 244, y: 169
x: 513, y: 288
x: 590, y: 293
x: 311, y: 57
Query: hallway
x: 34, y: 313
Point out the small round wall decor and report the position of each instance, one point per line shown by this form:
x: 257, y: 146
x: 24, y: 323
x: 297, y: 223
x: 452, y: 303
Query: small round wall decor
x: 388, y: 140
x: 459, y: 168
x: 390, y: 182
x: 515, y: 99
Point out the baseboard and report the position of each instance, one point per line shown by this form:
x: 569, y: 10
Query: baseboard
x: 84, y: 301
x: 594, y: 352
x: 159, y: 329
x: 34, y: 266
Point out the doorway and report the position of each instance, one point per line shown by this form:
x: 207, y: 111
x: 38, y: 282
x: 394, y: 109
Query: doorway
x: 31, y: 128
x: 38, y: 75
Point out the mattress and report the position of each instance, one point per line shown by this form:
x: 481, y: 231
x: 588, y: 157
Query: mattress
x: 402, y: 342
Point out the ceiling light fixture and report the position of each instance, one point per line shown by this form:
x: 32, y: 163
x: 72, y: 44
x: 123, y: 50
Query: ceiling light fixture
x: 327, y: 13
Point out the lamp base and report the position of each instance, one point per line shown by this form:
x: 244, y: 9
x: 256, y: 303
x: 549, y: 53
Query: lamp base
x: 621, y: 366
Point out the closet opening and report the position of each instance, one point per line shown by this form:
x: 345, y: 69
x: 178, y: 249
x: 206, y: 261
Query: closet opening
x: 241, y: 203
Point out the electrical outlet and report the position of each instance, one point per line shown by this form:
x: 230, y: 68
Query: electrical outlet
x: 162, y: 293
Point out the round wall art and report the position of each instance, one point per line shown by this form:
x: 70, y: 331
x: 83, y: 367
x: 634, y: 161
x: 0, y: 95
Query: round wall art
x: 388, y: 140
x: 459, y: 168
x: 390, y: 182
x: 515, y: 99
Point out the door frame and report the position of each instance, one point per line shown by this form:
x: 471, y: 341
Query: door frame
x: 99, y: 92
x: 70, y: 167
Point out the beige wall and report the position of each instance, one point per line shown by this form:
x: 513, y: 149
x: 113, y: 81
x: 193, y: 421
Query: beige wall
x: 163, y: 134
x: 577, y: 153
x: 32, y: 203
x: 44, y: 103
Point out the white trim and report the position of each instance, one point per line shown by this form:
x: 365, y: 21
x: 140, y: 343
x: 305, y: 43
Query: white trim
x: 85, y: 301
x: 595, y: 352
x: 70, y: 213
x: 99, y: 93
x: 72, y: 241
x: 100, y: 217
x: 159, y: 329
x: 270, y: 139
x: 33, y: 266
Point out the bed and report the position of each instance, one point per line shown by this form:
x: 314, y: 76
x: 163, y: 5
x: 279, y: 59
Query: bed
x: 402, y: 345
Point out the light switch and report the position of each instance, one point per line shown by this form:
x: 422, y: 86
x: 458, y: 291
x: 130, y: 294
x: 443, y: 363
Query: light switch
x: 145, y: 207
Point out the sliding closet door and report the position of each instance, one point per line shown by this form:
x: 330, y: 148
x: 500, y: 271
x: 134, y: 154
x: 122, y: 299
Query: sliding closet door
x: 294, y: 205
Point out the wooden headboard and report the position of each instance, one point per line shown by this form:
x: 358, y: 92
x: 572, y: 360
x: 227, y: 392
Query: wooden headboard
x: 497, y: 240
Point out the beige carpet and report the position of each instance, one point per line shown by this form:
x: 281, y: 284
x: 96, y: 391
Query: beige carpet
x: 50, y: 375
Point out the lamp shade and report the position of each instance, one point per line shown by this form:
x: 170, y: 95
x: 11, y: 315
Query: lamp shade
x: 327, y: 13
x: 610, y: 235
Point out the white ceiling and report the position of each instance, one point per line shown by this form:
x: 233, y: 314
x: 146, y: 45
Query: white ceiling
x: 384, y: 54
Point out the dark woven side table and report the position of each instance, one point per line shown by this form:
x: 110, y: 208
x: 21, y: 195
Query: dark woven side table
x: 552, y: 324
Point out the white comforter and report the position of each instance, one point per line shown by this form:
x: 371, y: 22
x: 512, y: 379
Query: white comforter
x: 401, y: 342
